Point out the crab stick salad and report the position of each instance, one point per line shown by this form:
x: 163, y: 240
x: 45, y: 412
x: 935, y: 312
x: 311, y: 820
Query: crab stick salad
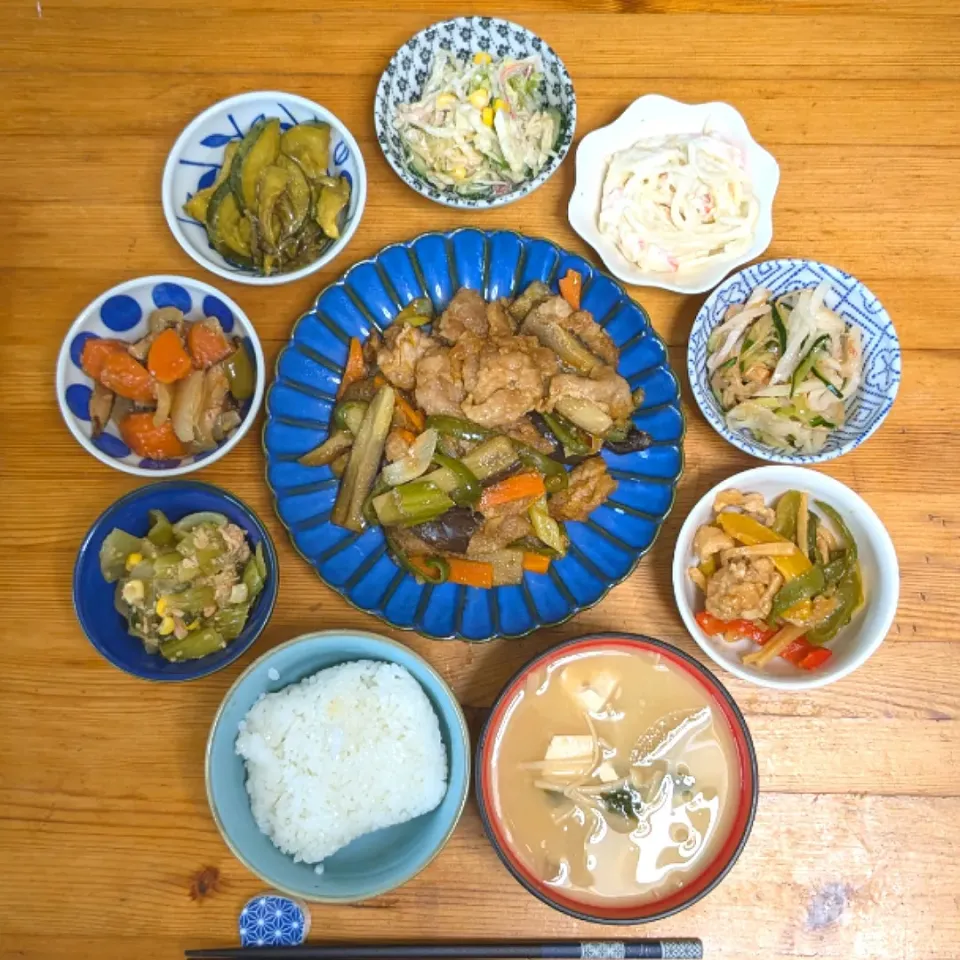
x: 674, y: 203
x: 784, y: 576
x: 480, y: 126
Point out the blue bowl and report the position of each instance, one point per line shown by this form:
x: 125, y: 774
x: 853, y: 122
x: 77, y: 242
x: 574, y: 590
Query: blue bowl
x: 603, y: 551
x: 93, y: 596
x: 372, y: 864
x: 849, y: 298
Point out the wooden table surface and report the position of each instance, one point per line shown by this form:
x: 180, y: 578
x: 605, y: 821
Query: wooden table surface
x: 104, y: 826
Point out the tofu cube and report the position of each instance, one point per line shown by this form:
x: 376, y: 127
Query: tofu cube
x: 593, y: 694
x: 570, y: 748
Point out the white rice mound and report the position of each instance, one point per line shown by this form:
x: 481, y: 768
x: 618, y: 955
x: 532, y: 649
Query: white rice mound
x: 351, y: 749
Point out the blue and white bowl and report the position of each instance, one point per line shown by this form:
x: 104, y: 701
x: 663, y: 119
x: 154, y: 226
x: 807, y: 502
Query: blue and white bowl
x: 409, y: 68
x: 122, y: 313
x: 198, y: 154
x: 849, y: 298
x: 604, y: 549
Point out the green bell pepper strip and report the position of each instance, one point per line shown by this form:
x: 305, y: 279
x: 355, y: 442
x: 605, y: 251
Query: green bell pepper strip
x: 838, y: 568
x: 193, y: 646
x: 459, y: 428
x: 160, y: 533
x: 850, y: 545
x: 572, y: 438
x: 785, y: 524
x: 553, y: 473
x: 348, y: 415
x: 437, y: 569
x: 416, y: 313
x: 468, y: 490
x: 807, y: 363
x: 849, y: 593
x: 813, y: 525
x: 803, y: 587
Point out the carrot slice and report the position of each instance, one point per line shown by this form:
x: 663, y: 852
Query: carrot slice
x: 513, y: 488
x: 147, y: 440
x: 414, y: 417
x: 207, y: 342
x: 409, y: 437
x: 127, y: 378
x: 355, y: 368
x: 570, y: 288
x: 470, y: 573
x: 536, y: 562
x: 168, y: 361
x: 95, y: 352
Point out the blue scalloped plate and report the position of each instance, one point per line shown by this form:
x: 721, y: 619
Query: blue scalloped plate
x: 603, y: 551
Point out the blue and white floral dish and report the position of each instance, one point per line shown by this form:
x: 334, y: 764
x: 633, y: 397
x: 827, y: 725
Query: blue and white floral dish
x: 409, y: 68
x: 854, y: 303
x: 198, y: 154
x: 122, y: 313
x: 604, y: 550
x: 273, y: 920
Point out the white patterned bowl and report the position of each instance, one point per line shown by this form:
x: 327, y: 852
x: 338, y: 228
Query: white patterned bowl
x: 197, y: 155
x: 123, y: 312
x: 854, y: 303
x: 657, y: 116
x: 407, y: 72
x: 856, y: 642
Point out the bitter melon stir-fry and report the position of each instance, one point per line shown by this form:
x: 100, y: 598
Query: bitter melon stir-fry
x: 784, y: 369
x: 786, y: 577
x: 479, y: 127
x: 185, y: 589
x: 453, y: 433
x: 273, y: 205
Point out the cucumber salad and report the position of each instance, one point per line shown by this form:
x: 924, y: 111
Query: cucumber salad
x: 785, y: 368
x: 480, y: 127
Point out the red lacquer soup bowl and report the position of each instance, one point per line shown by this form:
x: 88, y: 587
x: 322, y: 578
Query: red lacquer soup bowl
x: 742, y: 794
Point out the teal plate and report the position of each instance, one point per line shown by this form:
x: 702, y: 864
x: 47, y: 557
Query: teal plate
x: 604, y: 550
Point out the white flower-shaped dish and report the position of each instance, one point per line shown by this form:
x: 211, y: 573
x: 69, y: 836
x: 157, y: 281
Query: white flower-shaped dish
x: 198, y: 154
x: 856, y: 642
x: 656, y: 116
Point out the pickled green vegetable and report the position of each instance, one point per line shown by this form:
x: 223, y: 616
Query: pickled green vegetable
x: 161, y: 531
x: 117, y: 546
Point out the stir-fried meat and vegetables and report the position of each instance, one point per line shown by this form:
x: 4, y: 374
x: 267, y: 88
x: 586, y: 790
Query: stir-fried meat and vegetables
x: 453, y: 433
x: 273, y: 205
x: 785, y: 577
x: 785, y: 369
x: 187, y: 588
x: 174, y: 392
x: 479, y: 127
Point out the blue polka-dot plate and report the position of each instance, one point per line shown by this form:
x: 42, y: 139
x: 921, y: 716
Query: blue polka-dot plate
x: 197, y: 155
x: 849, y: 298
x: 122, y: 313
x: 603, y: 551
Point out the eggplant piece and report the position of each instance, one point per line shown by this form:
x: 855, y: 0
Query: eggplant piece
x: 331, y: 202
x: 635, y: 440
x: 228, y: 229
x: 294, y: 206
x: 196, y: 206
x: 451, y: 531
x: 309, y: 145
x: 271, y: 185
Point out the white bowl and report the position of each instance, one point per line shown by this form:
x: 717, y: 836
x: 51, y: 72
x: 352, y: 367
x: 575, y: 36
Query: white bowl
x: 122, y: 313
x: 878, y: 563
x: 656, y: 116
x: 196, y: 157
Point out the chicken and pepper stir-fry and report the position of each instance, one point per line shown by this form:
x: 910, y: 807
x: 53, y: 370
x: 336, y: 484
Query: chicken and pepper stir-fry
x: 174, y: 392
x: 185, y: 589
x: 784, y: 577
x: 454, y: 433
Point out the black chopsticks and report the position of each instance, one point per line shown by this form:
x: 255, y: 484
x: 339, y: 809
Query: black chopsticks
x: 664, y: 949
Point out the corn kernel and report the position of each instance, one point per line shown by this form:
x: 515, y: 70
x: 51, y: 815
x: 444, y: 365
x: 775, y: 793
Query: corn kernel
x: 480, y: 97
x: 162, y: 604
x: 458, y: 173
x: 133, y: 559
x: 166, y: 627
x: 500, y: 104
x: 482, y: 57
x: 487, y: 116
x: 445, y: 100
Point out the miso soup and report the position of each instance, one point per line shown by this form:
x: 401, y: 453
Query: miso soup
x: 614, y: 776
